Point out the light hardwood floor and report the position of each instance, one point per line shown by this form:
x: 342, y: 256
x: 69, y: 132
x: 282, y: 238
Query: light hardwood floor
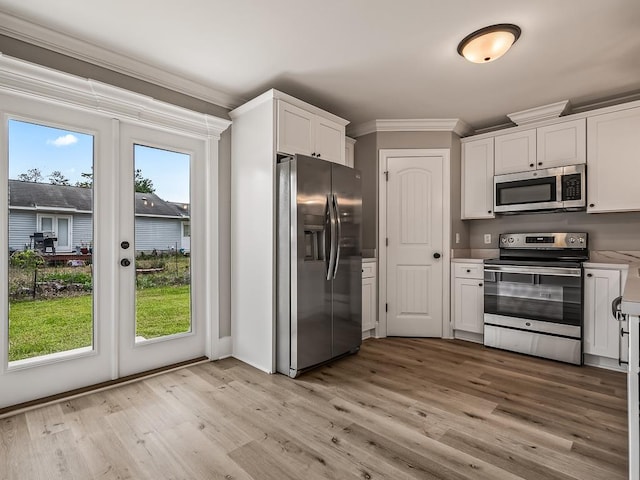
x: 401, y: 408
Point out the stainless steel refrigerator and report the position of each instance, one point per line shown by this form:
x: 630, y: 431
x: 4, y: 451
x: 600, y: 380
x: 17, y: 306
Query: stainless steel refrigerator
x: 319, y: 263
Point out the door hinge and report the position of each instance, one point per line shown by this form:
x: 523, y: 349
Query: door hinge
x: 386, y: 175
x: 386, y: 241
x: 386, y: 307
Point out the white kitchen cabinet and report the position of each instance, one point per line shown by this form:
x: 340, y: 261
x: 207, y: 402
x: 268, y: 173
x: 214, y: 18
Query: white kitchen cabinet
x: 477, y: 179
x: 467, y: 301
x: 257, y: 133
x: 295, y: 130
x: 369, y: 297
x: 613, y: 161
x: 515, y: 152
x: 301, y: 131
x: 550, y: 146
x: 602, y: 344
x: 562, y: 144
x: 350, y: 150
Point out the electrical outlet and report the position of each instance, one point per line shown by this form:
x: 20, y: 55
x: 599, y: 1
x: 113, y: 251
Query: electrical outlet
x: 487, y: 238
x: 457, y: 237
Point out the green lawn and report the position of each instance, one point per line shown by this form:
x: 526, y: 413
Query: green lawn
x: 41, y: 327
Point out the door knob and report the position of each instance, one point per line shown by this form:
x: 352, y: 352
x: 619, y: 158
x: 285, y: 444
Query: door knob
x: 125, y: 262
x: 436, y: 255
x: 124, y: 245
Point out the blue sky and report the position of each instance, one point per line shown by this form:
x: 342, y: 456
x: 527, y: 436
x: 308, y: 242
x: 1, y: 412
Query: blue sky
x: 50, y: 149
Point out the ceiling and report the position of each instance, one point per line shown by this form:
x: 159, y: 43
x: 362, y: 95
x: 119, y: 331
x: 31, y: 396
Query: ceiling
x: 360, y: 59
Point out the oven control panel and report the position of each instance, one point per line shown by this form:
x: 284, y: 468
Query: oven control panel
x: 543, y: 240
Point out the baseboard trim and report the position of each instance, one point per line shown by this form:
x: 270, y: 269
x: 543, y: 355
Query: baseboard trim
x: 225, y: 347
x: 78, y: 392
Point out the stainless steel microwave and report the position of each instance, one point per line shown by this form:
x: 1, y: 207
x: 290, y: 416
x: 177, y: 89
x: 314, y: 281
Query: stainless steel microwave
x: 559, y: 189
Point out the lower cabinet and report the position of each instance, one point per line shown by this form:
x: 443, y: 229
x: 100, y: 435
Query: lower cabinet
x: 369, y: 297
x: 603, y: 344
x: 467, y: 301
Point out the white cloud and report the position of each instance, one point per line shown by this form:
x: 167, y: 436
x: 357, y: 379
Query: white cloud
x: 64, y: 141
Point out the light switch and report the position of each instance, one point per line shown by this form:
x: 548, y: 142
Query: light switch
x: 487, y: 238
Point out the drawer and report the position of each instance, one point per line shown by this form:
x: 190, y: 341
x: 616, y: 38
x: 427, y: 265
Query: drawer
x: 469, y: 270
x: 368, y: 270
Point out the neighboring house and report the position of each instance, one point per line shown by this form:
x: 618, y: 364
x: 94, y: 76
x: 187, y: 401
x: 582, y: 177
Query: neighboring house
x: 66, y: 212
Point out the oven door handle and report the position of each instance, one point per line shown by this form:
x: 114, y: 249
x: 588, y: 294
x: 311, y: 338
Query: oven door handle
x: 550, y: 271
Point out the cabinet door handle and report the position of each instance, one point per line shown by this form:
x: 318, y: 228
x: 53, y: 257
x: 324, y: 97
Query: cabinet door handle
x: 591, y: 205
x: 589, y: 275
x: 539, y: 163
x: 468, y: 271
x: 532, y: 164
x: 318, y: 155
x: 488, y: 211
x: 479, y: 284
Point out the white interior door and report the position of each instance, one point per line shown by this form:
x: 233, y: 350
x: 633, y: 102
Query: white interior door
x: 414, y: 254
x: 161, y: 287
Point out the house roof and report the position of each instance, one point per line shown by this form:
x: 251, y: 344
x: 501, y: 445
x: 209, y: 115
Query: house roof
x: 45, y: 196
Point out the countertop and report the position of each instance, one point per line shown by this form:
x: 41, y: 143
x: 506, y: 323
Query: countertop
x: 467, y: 260
x: 631, y: 294
x: 607, y: 266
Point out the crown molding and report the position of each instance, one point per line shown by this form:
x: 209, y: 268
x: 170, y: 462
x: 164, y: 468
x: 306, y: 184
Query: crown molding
x: 24, y: 78
x: 454, y: 125
x: 50, y: 39
x: 538, y: 114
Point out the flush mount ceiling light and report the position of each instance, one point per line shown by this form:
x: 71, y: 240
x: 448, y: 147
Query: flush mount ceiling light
x: 489, y: 43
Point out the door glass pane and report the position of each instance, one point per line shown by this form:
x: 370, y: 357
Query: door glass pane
x: 50, y: 294
x: 163, y: 270
x: 46, y: 224
x: 63, y: 233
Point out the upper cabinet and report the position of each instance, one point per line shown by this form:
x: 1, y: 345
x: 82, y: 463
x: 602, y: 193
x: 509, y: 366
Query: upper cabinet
x: 550, y: 146
x: 307, y: 133
x: 477, y: 179
x: 515, y: 152
x: 562, y: 144
x: 613, y: 161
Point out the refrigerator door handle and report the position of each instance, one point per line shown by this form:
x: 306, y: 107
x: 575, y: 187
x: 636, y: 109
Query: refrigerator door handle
x: 338, y: 235
x: 332, y: 244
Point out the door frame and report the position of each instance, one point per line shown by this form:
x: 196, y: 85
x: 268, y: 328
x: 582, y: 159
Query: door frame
x: 38, y: 94
x: 384, y: 155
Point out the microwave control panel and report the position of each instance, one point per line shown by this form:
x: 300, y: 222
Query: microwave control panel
x: 571, y: 187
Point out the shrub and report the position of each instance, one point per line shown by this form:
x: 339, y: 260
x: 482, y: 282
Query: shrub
x: 27, y: 259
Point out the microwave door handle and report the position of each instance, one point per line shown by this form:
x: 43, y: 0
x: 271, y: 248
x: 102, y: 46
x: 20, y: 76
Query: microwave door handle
x: 559, y: 196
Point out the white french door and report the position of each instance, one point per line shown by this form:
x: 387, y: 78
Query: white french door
x: 132, y: 299
x: 54, y: 338
x: 162, y: 318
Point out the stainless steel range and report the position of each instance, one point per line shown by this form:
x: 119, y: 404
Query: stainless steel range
x: 533, y: 295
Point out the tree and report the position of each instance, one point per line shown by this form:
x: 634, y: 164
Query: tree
x: 87, y: 182
x: 32, y: 175
x: 57, y: 178
x: 143, y: 185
